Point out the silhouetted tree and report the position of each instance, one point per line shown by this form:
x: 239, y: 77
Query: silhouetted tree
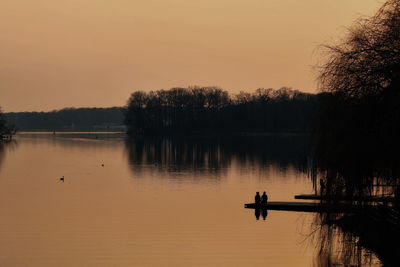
x: 2, y: 123
x: 363, y: 75
x: 359, y: 109
x: 6, y: 130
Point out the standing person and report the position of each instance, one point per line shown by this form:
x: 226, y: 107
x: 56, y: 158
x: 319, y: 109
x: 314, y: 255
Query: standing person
x: 264, y: 198
x: 257, y: 198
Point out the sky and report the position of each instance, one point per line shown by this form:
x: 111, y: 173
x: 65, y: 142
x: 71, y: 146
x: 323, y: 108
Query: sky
x: 95, y: 53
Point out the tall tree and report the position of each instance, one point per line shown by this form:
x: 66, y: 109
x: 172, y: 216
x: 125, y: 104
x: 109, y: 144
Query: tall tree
x: 359, y: 118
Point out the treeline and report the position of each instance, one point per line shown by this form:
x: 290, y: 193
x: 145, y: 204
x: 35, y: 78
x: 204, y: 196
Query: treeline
x: 70, y: 119
x: 7, y: 130
x: 211, y: 109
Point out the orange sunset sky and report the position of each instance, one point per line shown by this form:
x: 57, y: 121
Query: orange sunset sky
x: 75, y: 53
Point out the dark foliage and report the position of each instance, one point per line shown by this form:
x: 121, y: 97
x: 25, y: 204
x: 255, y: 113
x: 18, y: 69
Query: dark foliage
x: 367, y: 63
x: 7, y: 130
x: 357, y: 135
x: 359, y: 116
x: 363, y: 75
x: 208, y: 109
x: 69, y: 119
x: 2, y: 123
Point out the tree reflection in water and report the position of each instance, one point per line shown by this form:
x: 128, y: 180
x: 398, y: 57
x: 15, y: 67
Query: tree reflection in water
x: 215, y: 155
x: 338, y: 247
x: 4, y: 147
x: 354, y: 171
x: 342, y: 239
x: 2, y: 152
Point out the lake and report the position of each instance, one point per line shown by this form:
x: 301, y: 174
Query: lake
x: 157, y: 202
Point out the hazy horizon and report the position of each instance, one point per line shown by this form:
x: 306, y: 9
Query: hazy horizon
x: 125, y: 104
x: 95, y: 53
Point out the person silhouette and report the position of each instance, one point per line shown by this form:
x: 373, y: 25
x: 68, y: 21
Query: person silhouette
x: 264, y: 198
x: 257, y: 213
x: 257, y: 198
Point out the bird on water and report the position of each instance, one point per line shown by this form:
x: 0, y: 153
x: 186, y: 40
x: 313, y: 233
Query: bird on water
x: 62, y: 179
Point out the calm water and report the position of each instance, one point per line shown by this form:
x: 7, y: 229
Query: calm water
x: 153, y: 203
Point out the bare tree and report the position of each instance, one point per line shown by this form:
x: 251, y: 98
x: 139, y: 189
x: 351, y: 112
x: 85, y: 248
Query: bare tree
x: 367, y: 62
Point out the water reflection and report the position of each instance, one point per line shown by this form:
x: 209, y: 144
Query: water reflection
x: 2, y: 153
x: 262, y: 212
x: 340, y: 247
x: 216, y: 220
x: 216, y: 155
x: 4, y: 147
x: 110, y: 215
x: 353, y: 171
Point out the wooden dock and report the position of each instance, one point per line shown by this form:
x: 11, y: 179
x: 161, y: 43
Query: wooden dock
x: 344, y: 198
x: 306, y: 207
